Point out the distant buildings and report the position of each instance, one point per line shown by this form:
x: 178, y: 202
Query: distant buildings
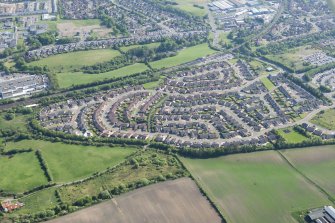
x: 17, y: 85
x: 322, y: 215
x: 9, y: 205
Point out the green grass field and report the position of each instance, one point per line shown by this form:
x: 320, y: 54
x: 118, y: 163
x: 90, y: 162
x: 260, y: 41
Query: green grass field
x: 75, y: 60
x: 149, y: 45
x: 19, y: 123
x: 293, y: 136
x: 267, y: 83
x: 72, y: 162
x: 255, y: 187
x: 20, y: 173
x: 183, y: 56
x: 39, y: 201
x: 68, y: 79
x: 188, y: 6
x: 317, y: 163
x: 325, y: 119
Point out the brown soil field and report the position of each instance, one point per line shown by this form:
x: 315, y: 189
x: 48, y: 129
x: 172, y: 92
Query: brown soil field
x: 171, y: 201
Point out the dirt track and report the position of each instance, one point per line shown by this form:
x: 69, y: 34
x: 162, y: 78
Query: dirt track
x: 177, y: 201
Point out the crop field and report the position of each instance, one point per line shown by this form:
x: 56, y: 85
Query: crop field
x: 20, y: 173
x: 72, y: 162
x: 68, y: 79
x: 189, y: 6
x: 293, y: 58
x: 292, y: 136
x: 150, y: 164
x: 325, y: 119
x: 171, y: 201
x: 267, y: 83
x: 183, y: 56
x: 255, y: 187
x: 74, y: 60
x: 317, y: 163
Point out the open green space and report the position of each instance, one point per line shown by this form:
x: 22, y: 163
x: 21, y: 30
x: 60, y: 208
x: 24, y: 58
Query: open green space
x: 183, y: 56
x: 267, y: 83
x: 189, y: 6
x: 40, y: 201
x: 255, y: 187
x: 325, y: 119
x: 149, y: 45
x: 68, y: 79
x: 293, y: 58
x: 18, y: 123
x: 141, y: 167
x: 291, y: 136
x: 75, y: 60
x: 20, y: 173
x: 72, y: 162
x: 317, y: 163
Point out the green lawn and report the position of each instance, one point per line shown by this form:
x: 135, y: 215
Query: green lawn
x: 20, y: 173
x: 73, y: 162
x: 293, y: 136
x: 39, y: 201
x: 184, y: 56
x: 267, y: 83
x: 325, y: 119
x: 255, y: 187
x: 188, y: 6
x: 149, y: 45
x: 75, y: 60
x: 19, y: 123
x: 317, y: 163
x: 68, y: 79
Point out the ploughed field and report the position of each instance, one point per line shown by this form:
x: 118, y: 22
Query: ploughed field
x: 171, y: 201
x: 264, y: 186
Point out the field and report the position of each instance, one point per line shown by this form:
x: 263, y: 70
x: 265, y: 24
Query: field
x: 267, y: 83
x: 188, y: 5
x: 293, y: 58
x: 72, y: 162
x: 317, y: 163
x: 20, y: 173
x: 150, y: 165
x: 183, y: 56
x: 75, y: 60
x: 149, y: 45
x: 172, y: 201
x: 255, y: 187
x: 292, y: 136
x: 17, y: 124
x: 325, y: 119
x: 68, y: 79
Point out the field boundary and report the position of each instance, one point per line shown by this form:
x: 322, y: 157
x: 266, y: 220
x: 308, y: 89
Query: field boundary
x: 206, y: 193
x: 324, y: 192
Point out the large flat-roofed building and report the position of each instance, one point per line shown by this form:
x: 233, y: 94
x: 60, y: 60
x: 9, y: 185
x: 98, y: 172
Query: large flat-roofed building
x: 17, y: 85
x: 322, y: 215
x: 222, y: 5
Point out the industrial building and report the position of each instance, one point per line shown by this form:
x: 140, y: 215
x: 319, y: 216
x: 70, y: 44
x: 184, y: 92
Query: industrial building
x: 322, y: 215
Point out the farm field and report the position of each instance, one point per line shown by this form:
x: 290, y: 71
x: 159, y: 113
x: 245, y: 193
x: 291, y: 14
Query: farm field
x: 255, y: 187
x: 74, y: 60
x: 20, y: 173
x: 72, y: 162
x: 317, y: 163
x: 267, y: 83
x: 141, y: 168
x: 292, y: 136
x: 171, y: 201
x: 183, y: 56
x: 293, y: 58
x: 68, y: 79
x: 188, y: 6
x: 325, y: 119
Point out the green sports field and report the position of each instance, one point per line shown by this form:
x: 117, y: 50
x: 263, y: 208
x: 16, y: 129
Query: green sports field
x: 72, y: 162
x: 255, y: 187
x: 317, y: 163
x: 68, y: 79
x: 20, y: 173
x: 74, y: 60
x: 183, y: 56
